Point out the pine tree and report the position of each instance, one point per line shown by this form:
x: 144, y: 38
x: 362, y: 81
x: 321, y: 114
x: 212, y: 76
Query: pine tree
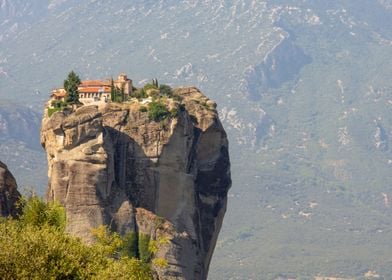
x: 71, y: 85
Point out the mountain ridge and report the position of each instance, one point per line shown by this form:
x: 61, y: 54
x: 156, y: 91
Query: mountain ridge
x: 317, y: 138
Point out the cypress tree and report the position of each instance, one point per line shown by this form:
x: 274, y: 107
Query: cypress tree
x: 112, y: 91
x: 122, y: 94
x: 71, y: 85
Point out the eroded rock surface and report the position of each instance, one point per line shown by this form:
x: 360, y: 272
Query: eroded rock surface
x: 113, y: 165
x: 9, y: 194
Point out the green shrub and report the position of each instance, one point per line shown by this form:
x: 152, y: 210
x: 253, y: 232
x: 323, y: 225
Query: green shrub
x: 157, y: 111
x: 51, y: 111
x: 36, y: 247
x: 126, y: 268
x: 37, y: 213
x: 144, y: 248
x: 140, y: 93
x: 143, y: 109
x: 119, y: 98
x: 149, y: 86
x: 154, y: 94
x: 108, y: 242
x: 160, y: 262
x: 58, y: 105
x: 166, y: 90
x: 130, y: 245
x: 30, y: 252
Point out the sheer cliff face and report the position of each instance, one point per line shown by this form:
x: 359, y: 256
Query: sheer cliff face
x: 112, y: 165
x: 9, y: 194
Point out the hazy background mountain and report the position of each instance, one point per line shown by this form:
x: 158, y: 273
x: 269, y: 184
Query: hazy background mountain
x: 304, y: 90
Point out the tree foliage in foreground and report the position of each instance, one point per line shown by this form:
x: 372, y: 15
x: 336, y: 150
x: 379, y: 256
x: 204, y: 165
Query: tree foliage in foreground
x: 36, y: 247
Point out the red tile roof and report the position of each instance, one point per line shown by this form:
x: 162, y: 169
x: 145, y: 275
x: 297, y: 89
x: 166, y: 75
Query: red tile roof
x: 93, y: 89
x: 59, y: 92
x: 94, y: 83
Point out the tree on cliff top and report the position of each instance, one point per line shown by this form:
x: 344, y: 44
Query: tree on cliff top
x: 113, y: 91
x: 71, y: 85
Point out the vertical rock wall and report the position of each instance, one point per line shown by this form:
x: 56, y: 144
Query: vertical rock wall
x: 9, y: 194
x: 169, y: 179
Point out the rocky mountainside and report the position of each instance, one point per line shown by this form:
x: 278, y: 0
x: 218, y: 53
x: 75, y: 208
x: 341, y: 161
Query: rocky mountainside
x: 9, y: 194
x: 304, y: 91
x: 20, y: 146
x: 19, y: 123
x: 113, y: 165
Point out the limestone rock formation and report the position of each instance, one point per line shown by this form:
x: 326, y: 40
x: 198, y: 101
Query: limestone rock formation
x: 9, y: 194
x: 169, y: 179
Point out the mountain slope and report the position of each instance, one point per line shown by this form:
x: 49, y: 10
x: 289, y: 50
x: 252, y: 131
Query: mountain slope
x: 20, y: 146
x: 304, y: 93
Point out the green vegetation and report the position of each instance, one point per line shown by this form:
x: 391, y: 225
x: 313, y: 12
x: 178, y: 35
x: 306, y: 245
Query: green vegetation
x: 159, y: 262
x: 157, y: 111
x: 126, y: 268
x: 144, y: 249
x: 36, y: 247
x: 130, y: 245
x: 71, y: 87
x: 116, y: 94
x: 139, y: 93
x: 154, y: 91
x: 37, y: 213
x: 107, y: 241
x: 113, y: 91
x: 349, y: 43
x: 143, y: 109
x: 122, y: 94
x: 51, y: 111
x: 29, y: 252
x: 149, y: 86
x: 58, y: 105
x: 166, y: 90
x: 155, y: 94
x: 162, y: 90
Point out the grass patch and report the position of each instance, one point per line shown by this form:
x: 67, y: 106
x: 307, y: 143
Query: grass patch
x: 51, y: 111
